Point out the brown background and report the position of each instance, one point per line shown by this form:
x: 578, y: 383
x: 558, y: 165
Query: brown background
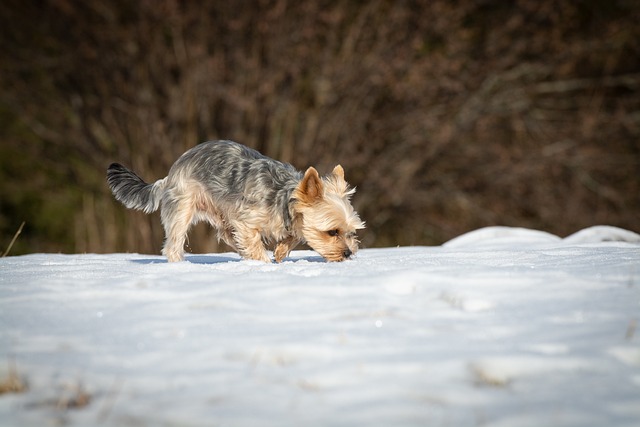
x: 447, y: 116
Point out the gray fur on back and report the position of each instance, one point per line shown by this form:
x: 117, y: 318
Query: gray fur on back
x: 235, y: 174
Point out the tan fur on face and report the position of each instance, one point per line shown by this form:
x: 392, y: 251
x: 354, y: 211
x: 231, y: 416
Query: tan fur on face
x: 324, y: 209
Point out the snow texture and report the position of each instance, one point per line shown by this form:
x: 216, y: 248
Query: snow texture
x: 498, y: 327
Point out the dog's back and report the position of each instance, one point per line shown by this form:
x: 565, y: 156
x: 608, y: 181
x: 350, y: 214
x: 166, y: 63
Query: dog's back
x: 232, y: 173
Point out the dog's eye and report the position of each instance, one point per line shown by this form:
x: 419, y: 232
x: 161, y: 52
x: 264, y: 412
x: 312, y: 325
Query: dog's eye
x: 333, y: 233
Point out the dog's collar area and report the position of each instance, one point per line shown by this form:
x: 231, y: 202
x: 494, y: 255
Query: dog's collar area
x: 287, y: 215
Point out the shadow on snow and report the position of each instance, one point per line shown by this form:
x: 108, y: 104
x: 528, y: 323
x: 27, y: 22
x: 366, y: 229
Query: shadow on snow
x: 219, y: 259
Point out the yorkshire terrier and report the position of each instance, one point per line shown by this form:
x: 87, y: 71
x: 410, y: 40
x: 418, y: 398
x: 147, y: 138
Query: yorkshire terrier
x: 250, y: 199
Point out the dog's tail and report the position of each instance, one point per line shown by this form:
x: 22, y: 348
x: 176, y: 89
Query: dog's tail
x: 129, y: 189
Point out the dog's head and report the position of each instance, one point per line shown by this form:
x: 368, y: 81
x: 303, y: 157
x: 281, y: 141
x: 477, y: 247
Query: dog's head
x: 327, y: 221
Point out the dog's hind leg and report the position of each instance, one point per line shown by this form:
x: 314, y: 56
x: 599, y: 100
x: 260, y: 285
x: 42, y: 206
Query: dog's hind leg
x: 217, y: 221
x: 177, y: 216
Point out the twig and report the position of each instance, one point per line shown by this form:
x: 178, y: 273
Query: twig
x: 631, y: 81
x: 15, y: 236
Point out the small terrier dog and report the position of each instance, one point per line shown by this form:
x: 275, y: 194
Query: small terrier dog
x: 250, y: 199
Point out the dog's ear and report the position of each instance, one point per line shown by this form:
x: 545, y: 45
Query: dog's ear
x: 338, y: 172
x: 311, y: 186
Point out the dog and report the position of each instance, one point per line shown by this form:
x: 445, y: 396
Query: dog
x: 250, y: 199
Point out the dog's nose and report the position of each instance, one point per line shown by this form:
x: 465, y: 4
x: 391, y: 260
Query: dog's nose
x: 347, y: 253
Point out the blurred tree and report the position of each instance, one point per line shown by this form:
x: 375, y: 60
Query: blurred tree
x: 448, y: 116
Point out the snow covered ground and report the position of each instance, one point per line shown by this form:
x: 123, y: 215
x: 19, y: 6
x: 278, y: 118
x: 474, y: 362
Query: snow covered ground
x: 499, y: 327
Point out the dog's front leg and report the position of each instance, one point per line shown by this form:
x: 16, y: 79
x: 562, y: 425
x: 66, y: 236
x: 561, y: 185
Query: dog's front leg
x: 283, y: 248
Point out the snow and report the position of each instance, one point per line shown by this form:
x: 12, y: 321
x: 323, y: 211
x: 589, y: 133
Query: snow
x: 498, y: 327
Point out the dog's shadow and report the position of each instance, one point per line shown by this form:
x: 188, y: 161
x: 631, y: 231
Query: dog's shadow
x: 221, y: 259
x: 193, y: 259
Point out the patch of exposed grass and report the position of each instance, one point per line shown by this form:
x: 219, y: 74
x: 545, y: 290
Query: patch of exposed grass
x: 484, y: 378
x: 13, y: 383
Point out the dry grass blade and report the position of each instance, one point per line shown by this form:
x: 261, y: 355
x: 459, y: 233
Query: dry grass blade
x: 109, y: 401
x: 15, y: 236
